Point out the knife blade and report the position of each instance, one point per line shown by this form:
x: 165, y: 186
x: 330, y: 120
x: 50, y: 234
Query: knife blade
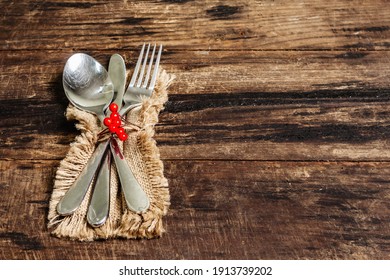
x: 117, y: 73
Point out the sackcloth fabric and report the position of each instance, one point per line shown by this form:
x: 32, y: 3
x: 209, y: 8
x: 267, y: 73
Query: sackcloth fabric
x: 142, y: 155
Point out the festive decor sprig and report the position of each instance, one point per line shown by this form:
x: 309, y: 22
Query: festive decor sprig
x: 114, y: 123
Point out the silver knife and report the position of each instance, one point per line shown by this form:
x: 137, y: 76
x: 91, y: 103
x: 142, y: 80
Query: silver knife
x: 99, y: 206
x: 101, y: 195
x: 135, y: 197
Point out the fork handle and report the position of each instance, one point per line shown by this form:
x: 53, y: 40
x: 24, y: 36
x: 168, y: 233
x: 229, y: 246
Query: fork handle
x: 127, y: 108
x: 135, y: 197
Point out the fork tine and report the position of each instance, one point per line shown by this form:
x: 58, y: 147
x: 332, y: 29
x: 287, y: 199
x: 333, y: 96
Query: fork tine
x: 149, y: 68
x: 155, y: 72
x: 141, y: 75
x: 134, y: 77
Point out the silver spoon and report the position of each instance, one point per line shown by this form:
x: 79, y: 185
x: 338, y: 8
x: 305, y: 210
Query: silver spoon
x: 87, y: 84
x: 88, y: 87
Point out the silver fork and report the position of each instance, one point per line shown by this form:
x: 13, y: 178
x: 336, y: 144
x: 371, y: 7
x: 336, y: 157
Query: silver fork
x: 141, y: 83
x: 135, y: 197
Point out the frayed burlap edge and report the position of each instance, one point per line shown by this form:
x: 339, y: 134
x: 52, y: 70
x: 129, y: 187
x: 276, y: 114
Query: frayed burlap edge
x: 143, y: 157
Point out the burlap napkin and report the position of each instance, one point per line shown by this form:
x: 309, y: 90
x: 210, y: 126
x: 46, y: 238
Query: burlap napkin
x: 143, y: 157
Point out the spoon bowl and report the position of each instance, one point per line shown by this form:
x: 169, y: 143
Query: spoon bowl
x: 87, y: 84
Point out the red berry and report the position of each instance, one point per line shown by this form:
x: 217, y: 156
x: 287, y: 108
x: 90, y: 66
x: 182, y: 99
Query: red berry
x: 120, y: 130
x: 113, y: 107
x: 107, y: 122
x: 123, y: 136
x: 113, y: 128
x: 117, y: 122
x: 115, y: 116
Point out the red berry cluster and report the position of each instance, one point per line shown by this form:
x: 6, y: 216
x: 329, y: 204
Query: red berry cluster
x: 114, y: 123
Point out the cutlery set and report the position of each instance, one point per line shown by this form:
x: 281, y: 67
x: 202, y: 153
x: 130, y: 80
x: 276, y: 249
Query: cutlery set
x: 91, y: 88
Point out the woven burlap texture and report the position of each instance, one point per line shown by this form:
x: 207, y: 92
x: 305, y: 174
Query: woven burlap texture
x: 143, y: 157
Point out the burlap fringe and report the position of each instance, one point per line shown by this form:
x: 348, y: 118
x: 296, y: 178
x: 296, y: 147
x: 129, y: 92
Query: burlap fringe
x: 144, y: 159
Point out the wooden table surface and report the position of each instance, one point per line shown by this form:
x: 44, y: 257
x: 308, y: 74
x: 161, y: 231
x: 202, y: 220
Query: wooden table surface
x: 274, y: 139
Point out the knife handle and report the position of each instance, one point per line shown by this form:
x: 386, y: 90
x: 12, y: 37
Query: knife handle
x: 99, y: 206
x: 76, y: 193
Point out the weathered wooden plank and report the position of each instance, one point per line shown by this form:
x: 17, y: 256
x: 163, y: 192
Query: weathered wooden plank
x: 195, y: 24
x: 278, y: 129
x: 324, y: 131
x: 234, y: 105
x: 292, y: 126
x: 222, y: 209
x: 209, y: 72
x: 267, y: 92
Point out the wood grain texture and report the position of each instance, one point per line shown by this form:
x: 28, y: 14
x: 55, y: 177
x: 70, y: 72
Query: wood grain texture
x: 202, y: 25
x: 255, y: 100
x: 274, y: 139
x: 222, y: 210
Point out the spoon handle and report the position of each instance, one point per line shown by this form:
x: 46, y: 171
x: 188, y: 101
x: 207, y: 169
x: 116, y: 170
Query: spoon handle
x: 75, y: 195
x: 135, y: 197
x: 99, y: 206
